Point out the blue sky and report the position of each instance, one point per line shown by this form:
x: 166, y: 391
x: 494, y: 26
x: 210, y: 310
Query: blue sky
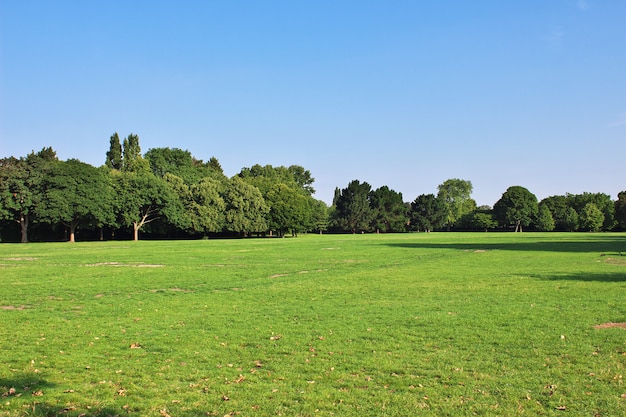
x: 405, y: 93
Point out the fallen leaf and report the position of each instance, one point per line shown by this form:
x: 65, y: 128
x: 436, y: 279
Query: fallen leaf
x: 135, y: 346
x: 38, y: 393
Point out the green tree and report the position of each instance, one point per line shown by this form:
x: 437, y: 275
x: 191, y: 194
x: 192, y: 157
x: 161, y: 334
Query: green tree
x: 21, y: 188
x: 76, y: 194
x: 207, y: 205
x: 245, y: 210
x: 289, y: 209
x: 455, y: 194
x: 570, y: 220
x: 591, y: 218
x: 114, y: 154
x: 602, y: 202
x: 132, y: 161
x: 517, y: 207
x: 141, y: 198
x: 483, y: 221
x: 558, y: 206
x: 544, y: 222
x: 427, y: 213
x: 353, y: 211
x: 390, y: 212
x: 320, y: 216
x: 620, y: 209
x: 182, y: 164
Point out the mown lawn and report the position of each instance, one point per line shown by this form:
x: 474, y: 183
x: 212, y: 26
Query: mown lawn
x: 347, y: 325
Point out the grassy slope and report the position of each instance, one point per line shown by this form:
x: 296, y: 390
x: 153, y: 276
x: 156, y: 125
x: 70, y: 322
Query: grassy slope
x: 448, y: 324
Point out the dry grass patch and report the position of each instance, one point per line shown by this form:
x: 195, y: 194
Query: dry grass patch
x: 610, y: 325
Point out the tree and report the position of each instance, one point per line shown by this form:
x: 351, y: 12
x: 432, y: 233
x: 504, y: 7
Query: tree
x: 427, y: 213
x: 207, y: 206
x: 602, y: 202
x: 141, y: 198
x: 114, y: 155
x: 455, y: 194
x: 545, y: 222
x: 21, y: 187
x: 76, y: 194
x: 288, y: 209
x: 558, y: 206
x: 320, y: 215
x: 132, y: 161
x: 353, y: 211
x: 620, y: 210
x: 591, y: 218
x: 570, y: 220
x: 390, y: 212
x: 182, y: 164
x: 483, y: 221
x: 245, y: 209
x: 517, y: 207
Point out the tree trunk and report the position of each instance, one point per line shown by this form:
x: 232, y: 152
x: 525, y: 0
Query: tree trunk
x: 24, y: 227
x: 136, y: 231
x: 72, y: 234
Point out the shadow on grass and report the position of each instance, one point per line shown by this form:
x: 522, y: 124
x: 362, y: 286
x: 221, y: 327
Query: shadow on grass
x: 586, y: 277
x: 608, y: 245
x: 32, y: 390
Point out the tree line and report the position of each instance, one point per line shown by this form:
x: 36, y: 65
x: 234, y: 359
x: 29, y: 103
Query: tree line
x: 167, y: 193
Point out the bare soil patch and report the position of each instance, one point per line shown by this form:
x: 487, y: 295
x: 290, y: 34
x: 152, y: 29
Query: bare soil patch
x: 135, y: 265
x: 609, y: 325
x: 20, y: 259
x: 13, y: 307
x: 616, y: 261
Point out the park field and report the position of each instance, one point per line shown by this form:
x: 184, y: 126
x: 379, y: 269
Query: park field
x: 440, y: 324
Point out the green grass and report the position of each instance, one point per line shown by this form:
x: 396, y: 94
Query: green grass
x: 348, y: 325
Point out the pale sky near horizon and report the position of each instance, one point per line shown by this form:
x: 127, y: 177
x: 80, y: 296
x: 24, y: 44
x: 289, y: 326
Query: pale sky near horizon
x: 405, y: 93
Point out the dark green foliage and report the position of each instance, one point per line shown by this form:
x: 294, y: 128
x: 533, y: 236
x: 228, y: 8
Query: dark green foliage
x: 114, y: 154
x: 76, y: 194
x: 620, y: 210
x: 544, y: 222
x: 182, y: 164
x: 517, y: 207
x: 353, y: 211
x: 601, y: 201
x: 391, y: 214
x: 427, y: 213
x: 21, y: 187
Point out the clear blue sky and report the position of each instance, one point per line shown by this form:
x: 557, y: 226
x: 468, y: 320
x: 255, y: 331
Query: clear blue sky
x: 399, y: 93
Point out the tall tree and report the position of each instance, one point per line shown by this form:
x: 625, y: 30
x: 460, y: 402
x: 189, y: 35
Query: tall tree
x: 427, y: 213
x: 620, y: 209
x: 141, y: 198
x: 246, y: 209
x: 545, y: 222
x: 391, y: 214
x: 558, y: 207
x: 591, y: 218
x: 517, y: 207
x: 21, y: 187
x: 114, y: 154
x: 455, y: 194
x: 602, y: 202
x: 132, y: 160
x: 353, y: 211
x: 76, y: 194
x: 289, y: 209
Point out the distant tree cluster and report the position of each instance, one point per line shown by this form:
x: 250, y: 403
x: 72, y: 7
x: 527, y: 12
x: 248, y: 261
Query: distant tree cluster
x: 164, y: 193
x: 167, y: 193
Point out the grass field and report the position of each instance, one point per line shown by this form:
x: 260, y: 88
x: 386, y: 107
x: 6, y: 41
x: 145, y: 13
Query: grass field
x: 439, y: 324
